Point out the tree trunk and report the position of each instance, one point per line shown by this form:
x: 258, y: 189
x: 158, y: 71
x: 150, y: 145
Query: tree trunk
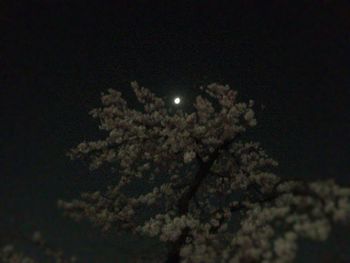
x: 173, y: 255
x: 174, y: 251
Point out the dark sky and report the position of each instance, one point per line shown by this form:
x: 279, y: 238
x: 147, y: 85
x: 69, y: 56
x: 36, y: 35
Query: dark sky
x: 56, y: 57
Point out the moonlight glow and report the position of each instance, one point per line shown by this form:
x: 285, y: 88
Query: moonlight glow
x: 177, y: 100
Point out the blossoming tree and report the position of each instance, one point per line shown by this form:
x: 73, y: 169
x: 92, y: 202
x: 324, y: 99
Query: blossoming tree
x: 189, y: 180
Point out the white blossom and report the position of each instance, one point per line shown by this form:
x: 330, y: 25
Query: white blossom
x: 189, y: 156
x: 171, y: 155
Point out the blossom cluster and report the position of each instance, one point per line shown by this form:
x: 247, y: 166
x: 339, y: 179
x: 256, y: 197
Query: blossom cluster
x: 304, y: 211
x: 166, y: 227
x: 8, y: 254
x: 198, y: 177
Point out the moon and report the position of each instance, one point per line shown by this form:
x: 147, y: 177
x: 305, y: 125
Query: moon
x: 177, y: 100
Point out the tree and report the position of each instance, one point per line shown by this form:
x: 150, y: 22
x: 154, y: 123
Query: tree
x: 8, y: 253
x: 189, y: 180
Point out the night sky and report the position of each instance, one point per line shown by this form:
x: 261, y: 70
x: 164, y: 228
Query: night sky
x: 56, y: 57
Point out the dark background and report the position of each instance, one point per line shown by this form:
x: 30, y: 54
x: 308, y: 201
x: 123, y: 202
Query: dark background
x: 56, y: 57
